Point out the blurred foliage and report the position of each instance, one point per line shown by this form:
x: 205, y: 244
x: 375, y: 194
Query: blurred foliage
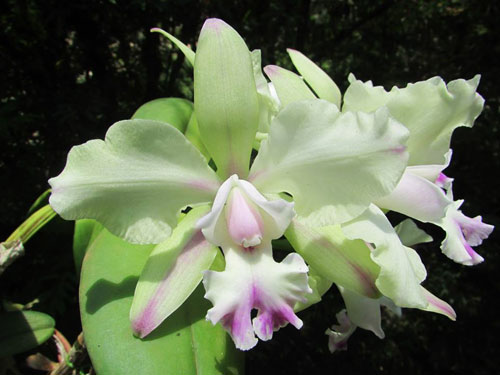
x: 71, y: 69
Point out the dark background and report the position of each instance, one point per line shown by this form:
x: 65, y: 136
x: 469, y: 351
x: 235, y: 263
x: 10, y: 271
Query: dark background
x: 69, y: 69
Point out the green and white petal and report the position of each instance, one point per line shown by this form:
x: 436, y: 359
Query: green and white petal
x: 333, y: 164
x: 416, y: 197
x: 401, y: 270
x: 173, y: 271
x: 268, y: 104
x: 225, y: 97
x: 134, y: 182
x: 334, y: 257
x: 364, y: 312
x: 320, y: 82
x: 438, y: 306
x: 289, y: 86
x: 410, y: 234
x: 430, y: 109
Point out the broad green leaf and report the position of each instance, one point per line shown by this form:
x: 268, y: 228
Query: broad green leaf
x: 430, y: 109
x: 173, y: 271
x: 289, y: 86
x: 185, y: 343
x: 85, y: 232
x: 225, y: 97
x: 333, y: 164
x: 174, y: 111
x: 320, y: 82
x: 188, y: 52
x: 23, y: 330
x: 135, y: 182
x: 336, y: 258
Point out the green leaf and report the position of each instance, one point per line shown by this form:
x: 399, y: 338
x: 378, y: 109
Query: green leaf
x: 85, y: 232
x: 183, y: 344
x: 23, y: 330
x: 188, y: 52
x: 174, y: 111
x: 32, y: 224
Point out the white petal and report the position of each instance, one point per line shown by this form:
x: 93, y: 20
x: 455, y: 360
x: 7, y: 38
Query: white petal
x: 253, y: 280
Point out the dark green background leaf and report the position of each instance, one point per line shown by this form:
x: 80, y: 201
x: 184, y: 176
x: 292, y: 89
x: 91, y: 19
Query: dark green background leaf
x: 23, y: 330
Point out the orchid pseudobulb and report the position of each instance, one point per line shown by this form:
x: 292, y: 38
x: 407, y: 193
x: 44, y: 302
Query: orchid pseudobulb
x: 318, y: 179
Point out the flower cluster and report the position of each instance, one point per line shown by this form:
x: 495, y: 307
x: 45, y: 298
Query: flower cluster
x: 324, y: 170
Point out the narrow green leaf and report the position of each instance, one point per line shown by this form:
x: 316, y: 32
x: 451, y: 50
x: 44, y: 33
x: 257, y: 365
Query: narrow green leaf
x: 23, y: 330
x: 188, y: 52
x: 174, y: 111
x: 183, y: 344
x: 32, y: 224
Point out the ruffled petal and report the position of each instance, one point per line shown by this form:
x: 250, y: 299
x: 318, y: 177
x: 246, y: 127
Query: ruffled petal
x: 332, y: 164
x: 430, y: 109
x: 253, y: 280
x: 134, y: 182
x: 462, y: 232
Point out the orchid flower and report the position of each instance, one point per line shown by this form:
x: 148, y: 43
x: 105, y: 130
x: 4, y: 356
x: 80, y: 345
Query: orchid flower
x: 431, y: 111
x: 315, y: 166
